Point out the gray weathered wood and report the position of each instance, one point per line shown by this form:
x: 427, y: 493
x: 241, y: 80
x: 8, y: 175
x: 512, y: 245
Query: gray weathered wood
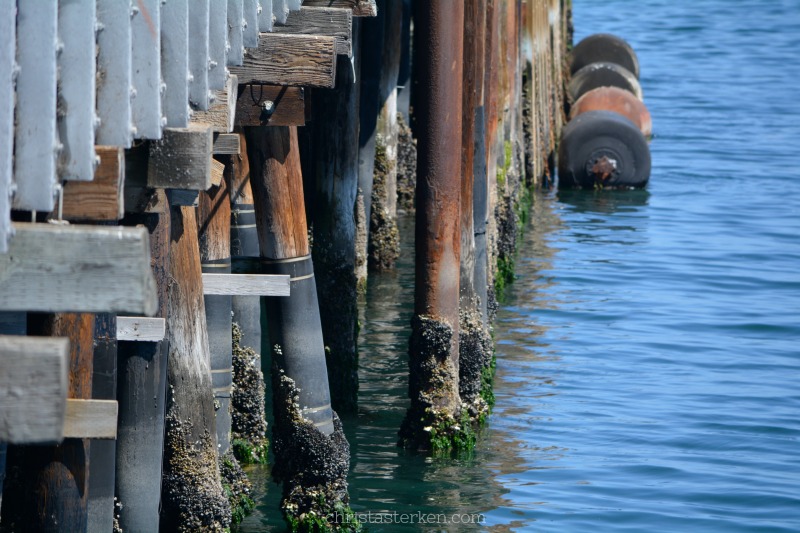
x: 227, y: 144
x: 250, y: 34
x: 217, y: 172
x: 146, y: 65
x: 76, y: 89
x: 182, y: 159
x: 175, y: 61
x: 246, y: 284
x: 114, y: 52
x: 8, y: 18
x: 280, y: 10
x: 280, y: 59
x: 360, y: 8
x: 217, y: 44
x: 221, y: 114
x: 331, y: 22
x: 103, y: 197
x: 235, y: 35
x: 199, y: 54
x: 90, y: 419
x: 36, y: 140
x: 72, y: 268
x: 265, y: 16
x: 137, y: 328
x: 33, y: 388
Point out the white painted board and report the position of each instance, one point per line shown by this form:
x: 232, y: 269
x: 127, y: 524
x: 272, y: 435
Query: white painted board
x: 281, y: 10
x: 175, y: 61
x: 294, y: 5
x: 36, y: 139
x: 198, y: 54
x: 246, y: 284
x: 217, y: 44
x: 142, y: 329
x: 114, y: 51
x: 250, y: 36
x: 235, y: 32
x: 146, y: 65
x: 265, y: 16
x: 76, y: 89
x: 8, y: 18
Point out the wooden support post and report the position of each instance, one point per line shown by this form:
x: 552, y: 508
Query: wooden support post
x: 199, y: 93
x: 221, y: 114
x: 270, y: 105
x: 141, y: 390
x: 329, y: 21
x: 281, y: 59
x: 175, y: 61
x: 214, y: 229
x: 192, y: 496
x: 235, y: 54
x: 146, y: 68
x: 433, y: 352
x: 114, y: 52
x: 217, y: 44
x: 360, y: 8
x: 182, y: 159
x: 8, y: 41
x: 101, y: 199
x: 250, y: 34
x: 281, y: 10
x: 265, y: 16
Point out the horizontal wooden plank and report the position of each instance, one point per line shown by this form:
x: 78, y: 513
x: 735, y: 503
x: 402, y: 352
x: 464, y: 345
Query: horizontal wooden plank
x: 90, y: 419
x: 101, y: 199
x: 75, y: 268
x: 329, y: 21
x: 246, y: 284
x: 181, y: 159
x: 217, y: 172
x: 226, y: 144
x: 143, y: 329
x: 282, y: 59
x: 33, y: 388
x: 288, y: 106
x: 220, y: 115
x: 360, y: 8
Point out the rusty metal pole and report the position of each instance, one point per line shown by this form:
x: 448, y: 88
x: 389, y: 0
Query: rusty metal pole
x: 432, y: 419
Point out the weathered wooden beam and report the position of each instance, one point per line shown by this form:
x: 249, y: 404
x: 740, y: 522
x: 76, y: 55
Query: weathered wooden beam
x: 90, y: 419
x: 175, y: 61
x: 327, y: 21
x: 77, y: 268
x: 360, y: 8
x: 287, y: 105
x: 114, y: 54
x: 281, y: 59
x: 246, y: 284
x: 250, y: 34
x: 181, y: 160
x: 146, y: 68
x: 217, y: 172
x: 281, y: 10
x: 142, y: 329
x: 33, y: 388
x: 103, y: 198
x: 226, y: 144
x: 265, y: 16
x: 221, y: 114
x: 8, y: 39
x: 199, y: 94
x: 235, y: 53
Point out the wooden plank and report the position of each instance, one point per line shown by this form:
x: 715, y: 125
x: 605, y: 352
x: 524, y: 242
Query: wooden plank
x: 114, y: 53
x: 33, y: 388
x: 265, y: 16
x: 226, y: 144
x: 146, y: 65
x: 360, y: 8
x: 76, y: 89
x: 235, y: 29
x: 217, y: 172
x: 175, y: 61
x: 250, y: 33
x: 142, y: 329
x: 55, y: 268
x: 36, y: 139
x: 217, y: 44
x: 221, y: 114
x: 199, y: 93
x: 288, y: 105
x: 281, y: 59
x: 102, y: 198
x: 90, y: 419
x: 8, y: 41
x: 246, y: 284
x: 331, y: 22
x: 181, y: 160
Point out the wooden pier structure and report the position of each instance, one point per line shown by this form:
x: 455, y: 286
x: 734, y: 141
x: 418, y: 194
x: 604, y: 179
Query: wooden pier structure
x: 176, y: 173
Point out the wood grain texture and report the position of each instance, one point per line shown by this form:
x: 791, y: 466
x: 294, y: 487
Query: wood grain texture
x: 102, y: 198
x: 142, y: 329
x: 282, y: 59
x: 221, y: 114
x: 214, y: 223
x: 226, y: 144
x: 239, y: 177
x: 78, y: 268
x: 33, y: 388
x: 360, y: 8
x: 90, y: 419
x: 181, y: 159
x: 327, y: 21
x: 217, y: 172
x: 246, y: 284
x: 289, y: 106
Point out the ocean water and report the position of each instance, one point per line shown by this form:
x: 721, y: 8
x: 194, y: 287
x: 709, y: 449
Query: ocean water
x: 648, y: 354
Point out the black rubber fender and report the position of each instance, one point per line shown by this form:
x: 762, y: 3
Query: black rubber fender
x: 603, y: 149
x: 598, y: 75
x: 605, y: 48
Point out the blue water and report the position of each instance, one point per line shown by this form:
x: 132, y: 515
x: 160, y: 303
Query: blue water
x: 649, y: 351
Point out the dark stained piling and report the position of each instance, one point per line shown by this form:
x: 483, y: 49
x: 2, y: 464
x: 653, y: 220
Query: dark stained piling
x: 432, y: 421
x: 334, y: 169
x: 192, y: 495
x: 141, y: 393
x: 312, y: 454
